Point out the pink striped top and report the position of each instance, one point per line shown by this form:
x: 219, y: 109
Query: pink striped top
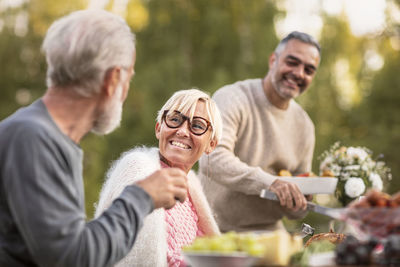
x: 182, y: 228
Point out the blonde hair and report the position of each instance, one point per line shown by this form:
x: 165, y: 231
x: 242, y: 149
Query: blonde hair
x: 185, y: 101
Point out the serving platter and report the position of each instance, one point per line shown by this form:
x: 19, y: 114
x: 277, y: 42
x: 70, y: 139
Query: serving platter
x: 213, y: 259
x: 313, y: 185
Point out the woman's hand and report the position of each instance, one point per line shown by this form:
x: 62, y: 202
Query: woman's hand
x: 165, y: 187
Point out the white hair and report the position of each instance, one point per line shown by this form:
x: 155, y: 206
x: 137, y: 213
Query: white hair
x: 185, y: 101
x: 302, y: 37
x: 82, y: 46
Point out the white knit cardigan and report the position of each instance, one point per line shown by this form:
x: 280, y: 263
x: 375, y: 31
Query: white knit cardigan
x: 150, y: 248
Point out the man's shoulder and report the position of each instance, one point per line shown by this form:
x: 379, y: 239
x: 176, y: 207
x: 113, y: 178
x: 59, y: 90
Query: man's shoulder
x: 26, y: 119
x: 239, y: 86
x: 301, y: 115
x: 20, y: 126
x: 237, y: 93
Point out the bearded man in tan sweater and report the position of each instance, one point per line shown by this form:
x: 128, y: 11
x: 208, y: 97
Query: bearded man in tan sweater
x: 264, y: 131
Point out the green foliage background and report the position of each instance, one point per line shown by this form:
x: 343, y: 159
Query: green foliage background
x: 207, y: 44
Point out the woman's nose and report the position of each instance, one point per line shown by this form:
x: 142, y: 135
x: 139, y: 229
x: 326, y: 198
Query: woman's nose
x: 183, y: 130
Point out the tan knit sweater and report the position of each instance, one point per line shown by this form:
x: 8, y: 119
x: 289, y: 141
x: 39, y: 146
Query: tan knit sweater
x: 258, y: 140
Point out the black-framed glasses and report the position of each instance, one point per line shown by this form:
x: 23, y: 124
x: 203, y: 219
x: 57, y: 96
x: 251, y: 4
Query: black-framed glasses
x: 175, y: 119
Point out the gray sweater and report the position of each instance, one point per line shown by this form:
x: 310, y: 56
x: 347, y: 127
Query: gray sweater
x: 42, y: 211
x: 258, y: 141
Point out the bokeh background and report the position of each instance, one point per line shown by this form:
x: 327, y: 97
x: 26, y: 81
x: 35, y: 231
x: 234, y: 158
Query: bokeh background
x: 354, y: 97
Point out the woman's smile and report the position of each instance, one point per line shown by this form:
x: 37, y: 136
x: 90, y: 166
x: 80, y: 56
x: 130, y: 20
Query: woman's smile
x: 180, y: 145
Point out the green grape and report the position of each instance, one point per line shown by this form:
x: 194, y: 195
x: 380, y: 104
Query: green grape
x: 199, y: 244
x: 231, y: 235
x: 216, y: 244
x: 250, y: 244
x: 228, y: 243
x: 257, y: 250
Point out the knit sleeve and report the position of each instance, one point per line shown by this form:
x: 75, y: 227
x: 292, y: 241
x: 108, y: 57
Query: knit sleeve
x: 207, y: 222
x: 150, y: 248
x: 133, y: 166
x: 222, y: 164
x: 308, y: 137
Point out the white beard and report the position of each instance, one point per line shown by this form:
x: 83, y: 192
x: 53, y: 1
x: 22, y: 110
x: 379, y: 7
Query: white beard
x: 110, y: 118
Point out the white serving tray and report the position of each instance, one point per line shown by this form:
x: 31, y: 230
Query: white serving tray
x: 313, y: 185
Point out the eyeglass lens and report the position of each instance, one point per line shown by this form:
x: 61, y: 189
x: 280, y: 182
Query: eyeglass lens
x: 197, y: 125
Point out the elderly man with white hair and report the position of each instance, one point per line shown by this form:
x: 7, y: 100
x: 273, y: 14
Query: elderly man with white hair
x: 90, y: 56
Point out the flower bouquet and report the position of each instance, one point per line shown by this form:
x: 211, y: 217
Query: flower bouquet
x: 355, y: 169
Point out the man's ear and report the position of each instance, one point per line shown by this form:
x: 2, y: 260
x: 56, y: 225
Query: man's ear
x: 111, y: 81
x: 211, y: 146
x: 272, y: 59
x: 158, y: 130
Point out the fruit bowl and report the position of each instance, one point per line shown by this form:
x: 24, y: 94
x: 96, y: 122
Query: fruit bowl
x: 378, y: 222
x: 214, y: 259
x: 243, y: 249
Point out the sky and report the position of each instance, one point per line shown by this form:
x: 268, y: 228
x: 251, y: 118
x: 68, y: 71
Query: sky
x: 364, y: 16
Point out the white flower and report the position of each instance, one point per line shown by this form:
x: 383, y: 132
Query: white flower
x: 357, y: 153
x: 377, y: 184
x: 364, y: 167
x: 325, y: 164
x: 345, y: 176
x: 352, y: 168
x: 354, y: 187
x: 376, y: 181
x: 371, y: 163
x: 336, y: 169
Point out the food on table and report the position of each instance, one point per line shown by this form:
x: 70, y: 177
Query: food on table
x: 228, y: 243
x: 391, y: 251
x: 288, y: 173
x: 284, y: 173
x: 327, y: 173
x: 376, y: 214
x: 273, y: 248
x: 354, y: 252
x: 280, y: 246
x: 375, y: 198
x: 302, y: 258
x: 369, y: 252
x: 331, y: 237
x: 307, y: 174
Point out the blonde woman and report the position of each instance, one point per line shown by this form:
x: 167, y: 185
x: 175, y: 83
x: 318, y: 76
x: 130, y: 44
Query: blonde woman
x: 187, y: 126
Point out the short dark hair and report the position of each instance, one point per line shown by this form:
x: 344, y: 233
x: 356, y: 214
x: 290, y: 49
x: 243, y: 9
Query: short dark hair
x: 301, y: 36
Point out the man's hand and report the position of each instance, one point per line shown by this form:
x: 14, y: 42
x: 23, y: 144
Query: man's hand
x: 289, y: 195
x: 165, y: 187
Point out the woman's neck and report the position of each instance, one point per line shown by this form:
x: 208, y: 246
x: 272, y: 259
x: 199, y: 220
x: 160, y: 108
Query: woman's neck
x: 172, y: 165
x: 163, y: 159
